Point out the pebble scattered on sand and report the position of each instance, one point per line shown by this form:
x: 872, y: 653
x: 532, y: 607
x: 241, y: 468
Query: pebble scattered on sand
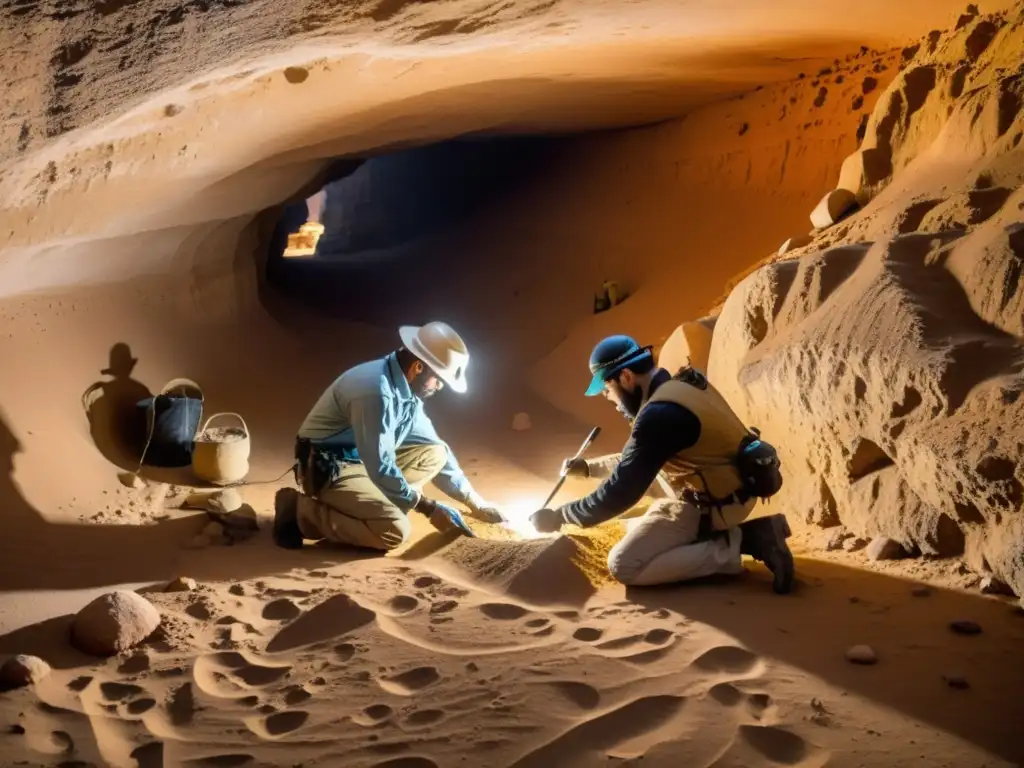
x: 862, y: 654
x: 965, y: 627
x: 182, y: 584
x: 20, y: 671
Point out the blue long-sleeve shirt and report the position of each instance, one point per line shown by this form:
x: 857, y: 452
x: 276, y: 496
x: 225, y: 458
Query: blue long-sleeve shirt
x: 662, y: 430
x: 366, y: 414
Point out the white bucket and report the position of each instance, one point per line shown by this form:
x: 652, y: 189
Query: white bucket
x: 221, y: 454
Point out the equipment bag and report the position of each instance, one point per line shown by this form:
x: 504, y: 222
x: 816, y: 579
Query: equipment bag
x: 759, y: 466
x: 172, y: 420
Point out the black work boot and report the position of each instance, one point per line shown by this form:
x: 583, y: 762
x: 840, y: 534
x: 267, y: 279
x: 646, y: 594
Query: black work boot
x: 286, y: 523
x: 764, y: 539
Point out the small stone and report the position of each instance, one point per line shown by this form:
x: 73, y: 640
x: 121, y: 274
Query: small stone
x: 861, y: 654
x: 113, y: 623
x: 854, y: 544
x: 521, y: 422
x: 834, y: 539
x: 957, y: 681
x: 19, y: 671
x: 237, y: 589
x: 884, y: 548
x: 990, y: 585
x: 921, y: 592
x: 182, y: 584
x: 965, y: 627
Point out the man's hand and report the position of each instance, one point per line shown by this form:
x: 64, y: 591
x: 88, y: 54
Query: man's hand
x: 486, y: 512
x: 547, y: 520
x: 575, y: 468
x: 442, y: 517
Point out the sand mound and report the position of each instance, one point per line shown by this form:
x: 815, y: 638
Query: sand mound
x: 887, y: 361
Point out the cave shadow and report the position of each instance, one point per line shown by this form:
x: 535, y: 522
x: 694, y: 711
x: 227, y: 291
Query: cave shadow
x: 835, y: 607
x: 36, y: 554
x: 111, y: 405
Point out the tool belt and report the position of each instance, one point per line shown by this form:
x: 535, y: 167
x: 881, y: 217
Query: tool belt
x: 707, y: 503
x: 315, y: 467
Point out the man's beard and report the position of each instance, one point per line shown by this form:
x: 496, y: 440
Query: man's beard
x: 420, y: 387
x: 630, y: 402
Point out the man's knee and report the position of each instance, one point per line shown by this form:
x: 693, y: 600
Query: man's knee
x: 624, y: 566
x: 392, y: 533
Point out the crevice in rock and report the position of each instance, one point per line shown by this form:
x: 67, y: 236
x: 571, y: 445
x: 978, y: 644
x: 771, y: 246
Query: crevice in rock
x: 911, y: 401
x: 867, y: 459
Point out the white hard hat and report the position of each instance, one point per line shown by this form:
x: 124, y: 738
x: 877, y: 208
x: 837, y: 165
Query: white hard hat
x: 441, y: 348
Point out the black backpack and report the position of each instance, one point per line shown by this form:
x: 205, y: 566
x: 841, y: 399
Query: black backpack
x: 172, y: 420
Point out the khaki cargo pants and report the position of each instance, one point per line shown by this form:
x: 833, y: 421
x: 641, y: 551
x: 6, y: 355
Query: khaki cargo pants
x: 352, y: 511
x: 671, y: 543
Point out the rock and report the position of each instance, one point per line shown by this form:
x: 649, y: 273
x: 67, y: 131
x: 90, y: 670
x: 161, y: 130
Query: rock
x: 921, y: 592
x: 957, y: 681
x: 884, y: 548
x: 799, y: 241
x: 19, y: 671
x: 833, y: 207
x: 834, y: 539
x: 181, y: 584
x: 965, y: 627
x: 227, y: 501
x: 237, y: 589
x: 521, y: 422
x: 855, y: 544
x: 688, y: 344
x: 993, y: 586
x: 861, y: 654
x: 113, y: 623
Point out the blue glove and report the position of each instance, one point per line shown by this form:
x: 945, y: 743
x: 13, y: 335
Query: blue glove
x: 443, y: 517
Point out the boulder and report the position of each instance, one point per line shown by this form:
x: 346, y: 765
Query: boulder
x: 689, y: 344
x: 19, y: 671
x: 884, y: 548
x: 113, y: 623
x: 182, y: 584
x: 832, y: 208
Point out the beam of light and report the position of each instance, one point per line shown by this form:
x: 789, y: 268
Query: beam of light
x: 517, y: 514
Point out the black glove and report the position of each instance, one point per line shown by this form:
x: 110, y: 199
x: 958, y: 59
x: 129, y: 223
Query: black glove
x: 575, y: 468
x: 443, y: 517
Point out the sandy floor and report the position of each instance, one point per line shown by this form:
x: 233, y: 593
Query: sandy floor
x: 132, y: 188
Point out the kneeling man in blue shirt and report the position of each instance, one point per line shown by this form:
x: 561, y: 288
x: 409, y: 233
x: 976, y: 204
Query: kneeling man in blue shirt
x: 367, y: 448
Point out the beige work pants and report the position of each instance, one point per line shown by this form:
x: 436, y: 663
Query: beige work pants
x: 354, y: 512
x: 666, y: 545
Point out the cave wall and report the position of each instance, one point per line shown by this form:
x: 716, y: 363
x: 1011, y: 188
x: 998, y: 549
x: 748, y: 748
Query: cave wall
x: 886, y: 360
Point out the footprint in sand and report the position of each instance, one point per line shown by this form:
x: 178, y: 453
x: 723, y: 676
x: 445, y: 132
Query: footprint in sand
x: 758, y: 704
x: 222, y: 674
x: 79, y: 684
x: 424, y: 582
x: 279, y: 724
x: 446, y: 606
x: 588, y: 634
x: 373, y: 715
x: 140, y: 706
x: 408, y: 683
x: 775, y: 744
x: 503, y: 611
x: 344, y: 652
x: 425, y: 717
x: 296, y: 694
x: 403, y: 603
x: 725, y: 694
x: 336, y: 616
x: 119, y: 691
x: 541, y: 622
x: 729, y: 659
